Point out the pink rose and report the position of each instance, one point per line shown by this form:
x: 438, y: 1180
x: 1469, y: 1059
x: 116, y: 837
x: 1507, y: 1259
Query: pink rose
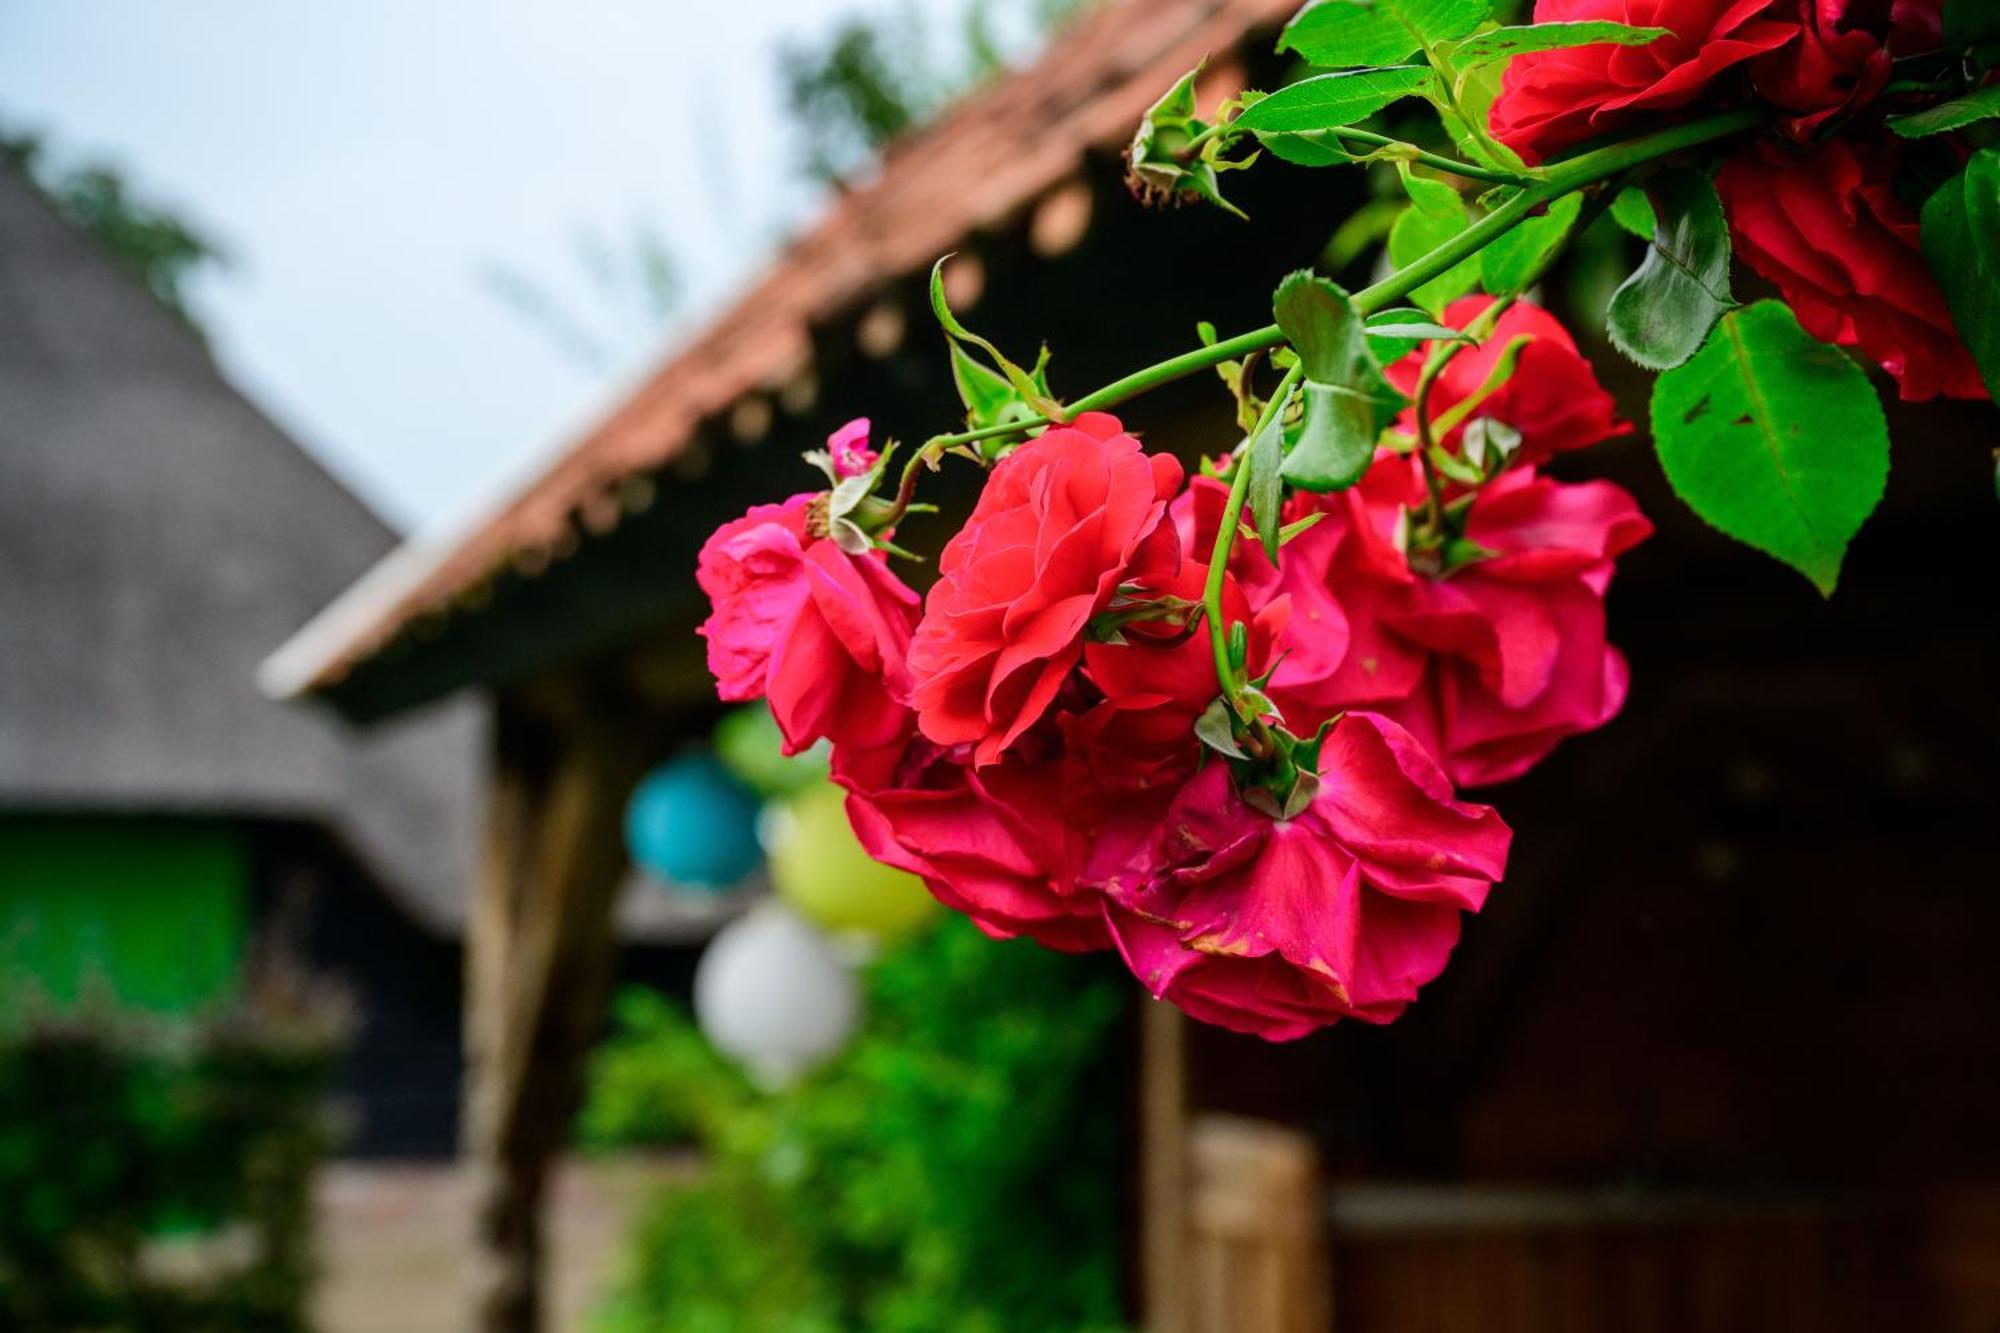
x: 822, y: 634
x: 1062, y: 522
x: 849, y: 451
x: 1279, y: 927
x: 1552, y: 100
x: 1826, y: 225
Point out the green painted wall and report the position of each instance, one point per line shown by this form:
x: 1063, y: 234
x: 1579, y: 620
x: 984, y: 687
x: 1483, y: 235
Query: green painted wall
x: 149, y: 913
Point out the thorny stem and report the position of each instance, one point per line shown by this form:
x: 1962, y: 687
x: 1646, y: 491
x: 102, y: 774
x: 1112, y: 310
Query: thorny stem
x: 1225, y: 542
x: 1556, y: 180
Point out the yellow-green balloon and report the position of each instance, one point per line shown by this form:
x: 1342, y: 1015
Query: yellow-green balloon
x: 819, y: 867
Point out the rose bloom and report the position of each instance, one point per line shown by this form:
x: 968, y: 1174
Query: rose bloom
x: 1826, y: 225
x: 1517, y: 656
x: 1843, y: 55
x: 822, y: 634
x: 1158, y: 682
x: 1280, y: 927
x: 999, y: 843
x: 1062, y: 522
x: 1553, y: 398
x: 1551, y: 100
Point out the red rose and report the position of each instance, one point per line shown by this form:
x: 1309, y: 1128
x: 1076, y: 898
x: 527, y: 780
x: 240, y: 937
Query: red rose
x: 1827, y: 226
x: 1279, y: 927
x: 1550, y: 100
x: 1843, y: 55
x: 820, y: 633
x: 1553, y: 398
x: 1062, y: 522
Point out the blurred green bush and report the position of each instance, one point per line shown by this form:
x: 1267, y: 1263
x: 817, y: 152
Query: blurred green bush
x: 156, y: 1177
x: 956, y: 1170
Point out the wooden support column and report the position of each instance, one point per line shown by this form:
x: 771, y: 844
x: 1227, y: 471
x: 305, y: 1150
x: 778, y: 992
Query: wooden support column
x: 539, y: 954
x: 1163, y: 1183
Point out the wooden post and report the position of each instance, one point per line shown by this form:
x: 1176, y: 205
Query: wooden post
x: 1163, y: 1186
x: 1256, y: 1248
x: 539, y: 951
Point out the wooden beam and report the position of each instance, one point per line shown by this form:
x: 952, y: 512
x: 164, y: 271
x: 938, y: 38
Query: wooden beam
x: 539, y: 953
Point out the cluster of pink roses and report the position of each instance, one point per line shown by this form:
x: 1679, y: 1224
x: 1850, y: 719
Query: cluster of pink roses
x: 1816, y: 215
x: 1025, y: 738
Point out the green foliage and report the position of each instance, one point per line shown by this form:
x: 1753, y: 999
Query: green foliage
x: 656, y: 1082
x: 1774, y: 438
x: 1265, y: 457
x: 1328, y: 101
x: 1342, y: 34
x: 1506, y: 43
x: 1953, y: 115
x: 149, y: 242
x: 1961, y: 239
x: 1347, y: 399
x: 1633, y: 211
x: 1516, y: 261
x: 876, y: 75
x: 1436, y: 215
x: 1662, y: 315
x: 954, y: 1171
x: 1968, y: 22
x: 121, y: 1141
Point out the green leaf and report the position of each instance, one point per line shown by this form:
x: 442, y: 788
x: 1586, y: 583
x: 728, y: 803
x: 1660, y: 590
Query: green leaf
x: 1266, y: 458
x: 1347, y: 399
x: 1970, y: 22
x: 1216, y: 728
x: 1961, y: 239
x: 1328, y: 101
x: 1394, y: 334
x: 1321, y: 148
x: 1032, y: 386
x: 1344, y: 34
x: 1506, y: 43
x: 1973, y: 107
x: 1436, y: 215
x: 1774, y: 438
x: 1633, y: 211
x: 988, y: 397
x: 1517, y: 260
x: 1662, y: 314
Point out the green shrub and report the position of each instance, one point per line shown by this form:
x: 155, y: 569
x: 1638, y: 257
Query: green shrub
x: 956, y: 1170
x: 157, y: 1178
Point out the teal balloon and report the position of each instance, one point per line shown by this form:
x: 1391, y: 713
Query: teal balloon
x: 692, y: 824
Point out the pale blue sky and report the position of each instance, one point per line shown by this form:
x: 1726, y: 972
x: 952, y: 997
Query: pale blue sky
x: 365, y: 163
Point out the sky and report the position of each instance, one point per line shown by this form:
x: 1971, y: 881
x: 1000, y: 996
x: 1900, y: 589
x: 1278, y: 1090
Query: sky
x: 372, y: 169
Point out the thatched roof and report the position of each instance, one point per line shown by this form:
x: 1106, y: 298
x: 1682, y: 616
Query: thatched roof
x: 157, y: 536
x: 1010, y: 158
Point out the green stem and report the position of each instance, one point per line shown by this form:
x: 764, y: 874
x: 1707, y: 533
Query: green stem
x: 1225, y: 542
x: 1415, y: 154
x: 1557, y: 179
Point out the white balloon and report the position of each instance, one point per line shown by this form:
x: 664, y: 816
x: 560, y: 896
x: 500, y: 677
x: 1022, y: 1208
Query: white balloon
x: 772, y: 992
